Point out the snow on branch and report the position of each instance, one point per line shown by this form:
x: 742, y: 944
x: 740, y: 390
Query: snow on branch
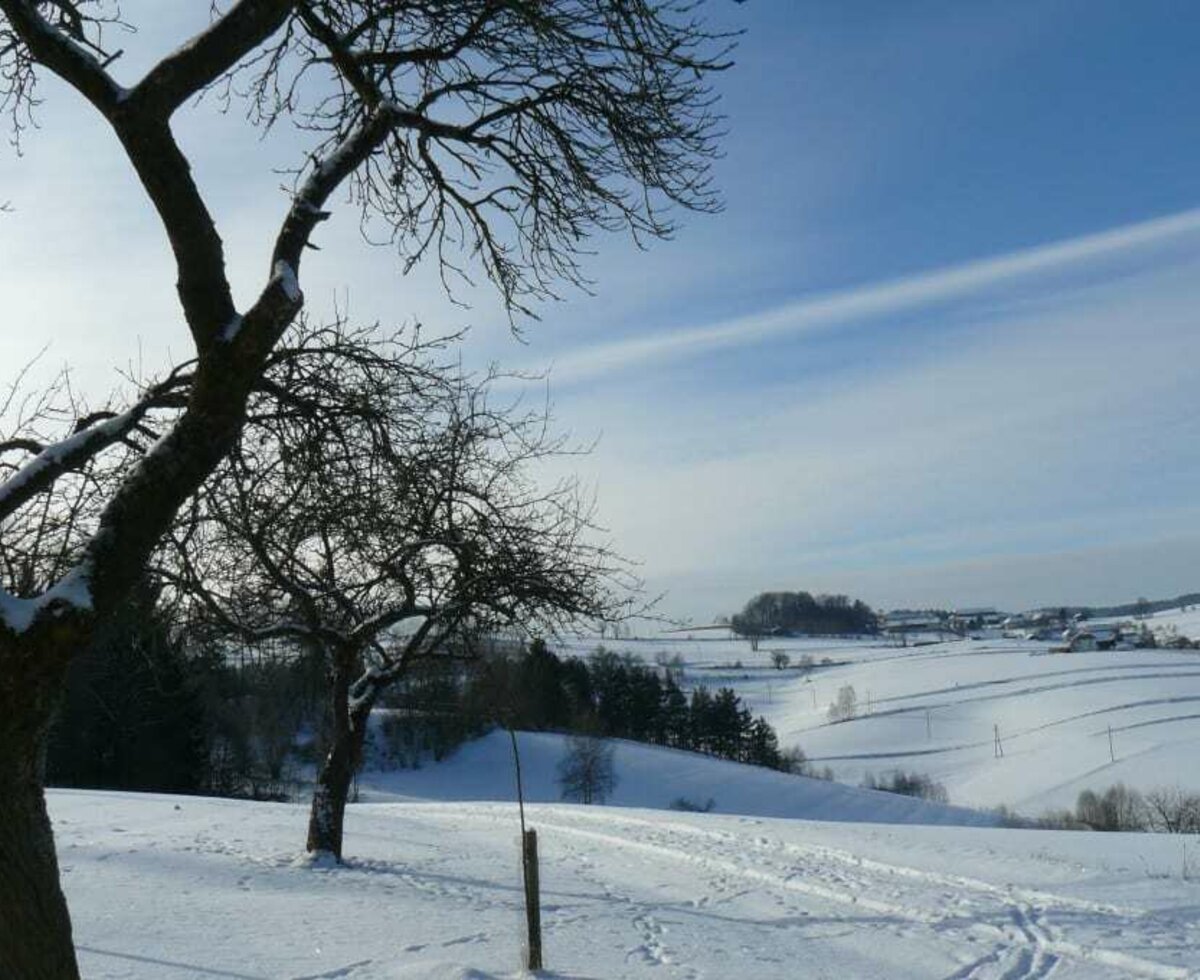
x: 60, y: 457
x: 70, y: 49
x: 93, y: 433
x: 211, y: 53
x: 71, y: 593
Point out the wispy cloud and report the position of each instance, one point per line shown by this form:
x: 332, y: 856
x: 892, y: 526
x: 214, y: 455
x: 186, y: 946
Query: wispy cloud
x: 1044, y: 429
x: 877, y: 299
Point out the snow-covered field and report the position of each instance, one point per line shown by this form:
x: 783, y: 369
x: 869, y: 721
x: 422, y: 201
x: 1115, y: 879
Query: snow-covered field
x: 938, y: 709
x: 653, y: 777
x: 854, y: 884
x: 1184, y: 621
x: 165, y: 887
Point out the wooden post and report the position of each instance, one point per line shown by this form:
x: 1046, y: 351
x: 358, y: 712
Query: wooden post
x: 529, y: 872
x: 533, y: 905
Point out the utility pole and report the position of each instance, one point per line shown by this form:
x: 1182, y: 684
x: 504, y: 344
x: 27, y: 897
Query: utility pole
x: 1111, y: 755
x: 999, y: 746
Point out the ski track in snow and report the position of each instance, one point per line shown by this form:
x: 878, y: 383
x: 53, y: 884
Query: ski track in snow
x: 430, y: 892
x: 1014, y: 736
x: 1001, y: 681
x: 1026, y: 946
x: 1004, y: 695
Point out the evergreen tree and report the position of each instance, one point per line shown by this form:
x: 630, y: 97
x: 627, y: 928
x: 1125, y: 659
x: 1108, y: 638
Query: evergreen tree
x: 763, y: 745
x: 700, y: 721
x: 130, y: 717
x: 676, y: 719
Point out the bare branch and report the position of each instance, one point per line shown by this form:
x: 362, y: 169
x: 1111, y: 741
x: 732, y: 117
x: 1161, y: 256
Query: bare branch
x: 62, y: 48
x: 210, y: 54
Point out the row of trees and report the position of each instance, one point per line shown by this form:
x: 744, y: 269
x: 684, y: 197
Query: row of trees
x: 147, y: 710
x: 791, y: 613
x: 1121, y: 808
x: 606, y: 695
x: 477, y: 133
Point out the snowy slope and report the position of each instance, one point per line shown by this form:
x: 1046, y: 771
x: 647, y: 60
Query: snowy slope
x: 169, y: 888
x: 651, y: 776
x: 937, y: 709
x: 1184, y: 621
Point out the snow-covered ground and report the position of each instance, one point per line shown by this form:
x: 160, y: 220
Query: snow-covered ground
x: 1185, y: 621
x: 854, y: 884
x: 938, y: 709
x: 170, y: 887
x: 654, y: 777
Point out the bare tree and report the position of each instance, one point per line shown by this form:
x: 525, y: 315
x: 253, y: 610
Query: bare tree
x: 378, y: 509
x: 585, y: 772
x: 845, y: 708
x: 496, y: 130
x: 1170, y: 810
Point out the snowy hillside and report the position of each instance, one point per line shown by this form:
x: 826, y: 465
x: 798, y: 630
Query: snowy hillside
x: 856, y: 884
x: 1184, y: 621
x: 168, y: 888
x: 938, y: 709
x: 650, y: 776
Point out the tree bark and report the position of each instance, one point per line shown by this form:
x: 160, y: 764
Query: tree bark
x: 35, y: 928
x: 347, y: 736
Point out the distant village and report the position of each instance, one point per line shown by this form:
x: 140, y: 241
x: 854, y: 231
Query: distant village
x: 1070, y: 631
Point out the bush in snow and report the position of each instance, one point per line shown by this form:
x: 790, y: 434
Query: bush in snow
x: 909, y: 784
x: 683, y: 804
x: 1172, y: 811
x: 794, y: 760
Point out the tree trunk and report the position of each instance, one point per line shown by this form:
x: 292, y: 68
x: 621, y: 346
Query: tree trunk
x: 35, y: 928
x: 326, y: 819
x: 348, y: 734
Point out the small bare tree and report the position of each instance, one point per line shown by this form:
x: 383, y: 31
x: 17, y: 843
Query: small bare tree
x: 501, y: 131
x: 585, y: 772
x: 1170, y: 810
x: 845, y: 708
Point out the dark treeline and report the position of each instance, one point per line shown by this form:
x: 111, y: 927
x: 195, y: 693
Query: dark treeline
x: 605, y: 694
x: 143, y: 710
x: 783, y: 613
x: 1142, y: 607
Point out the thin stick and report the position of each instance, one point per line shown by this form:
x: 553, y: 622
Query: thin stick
x: 520, y: 793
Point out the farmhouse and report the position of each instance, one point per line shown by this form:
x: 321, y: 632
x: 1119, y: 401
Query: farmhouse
x: 910, y: 623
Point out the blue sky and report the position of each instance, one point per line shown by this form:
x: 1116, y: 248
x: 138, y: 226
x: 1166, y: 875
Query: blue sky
x: 941, y: 347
